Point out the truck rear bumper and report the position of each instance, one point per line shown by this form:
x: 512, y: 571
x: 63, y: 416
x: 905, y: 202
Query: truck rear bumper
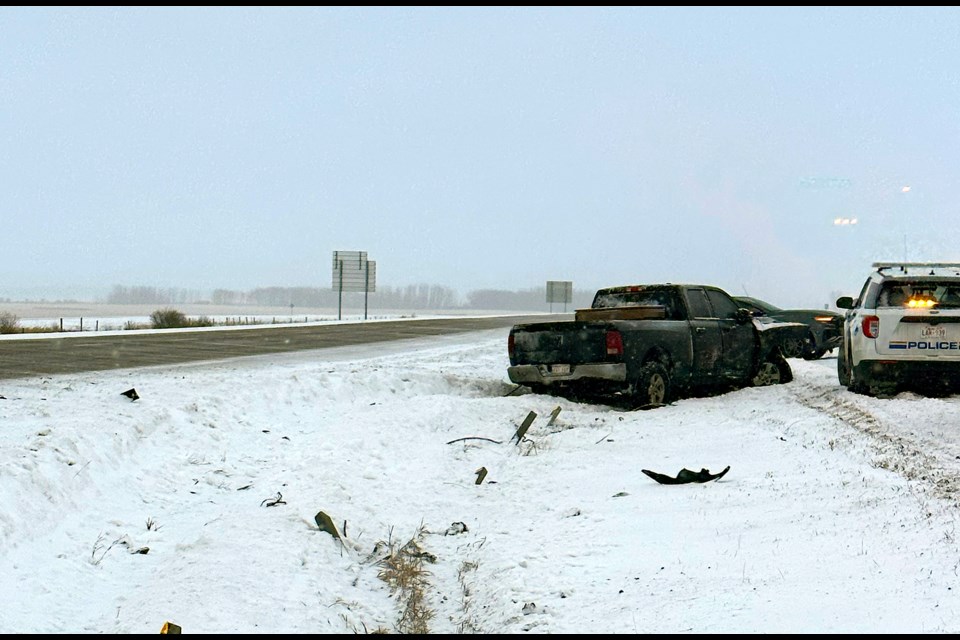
x: 541, y: 374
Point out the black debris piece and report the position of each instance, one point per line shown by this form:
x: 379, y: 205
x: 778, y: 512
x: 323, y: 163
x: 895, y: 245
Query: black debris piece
x: 686, y: 476
x: 272, y: 502
x: 131, y: 393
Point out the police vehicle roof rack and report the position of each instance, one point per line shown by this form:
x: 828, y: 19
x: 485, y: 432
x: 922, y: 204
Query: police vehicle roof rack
x: 903, y: 266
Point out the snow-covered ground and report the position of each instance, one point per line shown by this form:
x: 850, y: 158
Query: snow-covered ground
x: 838, y: 513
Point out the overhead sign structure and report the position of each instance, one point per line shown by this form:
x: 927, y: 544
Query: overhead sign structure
x: 559, y: 291
x: 352, y: 271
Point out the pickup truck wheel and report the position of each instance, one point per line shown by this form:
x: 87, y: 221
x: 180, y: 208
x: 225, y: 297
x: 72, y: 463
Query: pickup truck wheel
x: 653, y: 386
x: 776, y: 370
x: 786, y: 373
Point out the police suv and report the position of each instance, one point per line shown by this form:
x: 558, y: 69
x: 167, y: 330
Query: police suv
x: 903, y: 330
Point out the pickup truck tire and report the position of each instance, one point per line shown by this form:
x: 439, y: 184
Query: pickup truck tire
x: 775, y: 370
x: 653, y: 386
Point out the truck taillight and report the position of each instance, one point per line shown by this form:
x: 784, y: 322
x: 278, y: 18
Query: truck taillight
x: 510, y: 345
x: 614, y: 343
x: 871, y: 326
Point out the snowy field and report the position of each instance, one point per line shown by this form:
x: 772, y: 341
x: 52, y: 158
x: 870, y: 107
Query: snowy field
x: 838, y: 513
x: 87, y: 317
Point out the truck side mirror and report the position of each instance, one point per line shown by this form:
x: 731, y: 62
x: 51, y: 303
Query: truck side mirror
x: 846, y: 302
x: 743, y: 315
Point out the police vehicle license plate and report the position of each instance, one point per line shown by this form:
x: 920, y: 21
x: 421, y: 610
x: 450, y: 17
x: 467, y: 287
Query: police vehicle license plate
x: 933, y: 332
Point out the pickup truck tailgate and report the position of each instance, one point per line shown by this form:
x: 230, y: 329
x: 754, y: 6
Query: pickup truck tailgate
x: 560, y: 342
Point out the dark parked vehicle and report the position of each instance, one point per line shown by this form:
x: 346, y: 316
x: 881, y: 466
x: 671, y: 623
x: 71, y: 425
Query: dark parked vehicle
x: 648, y: 343
x: 825, y: 327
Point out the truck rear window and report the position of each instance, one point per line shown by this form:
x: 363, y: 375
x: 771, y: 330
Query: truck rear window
x: 658, y: 298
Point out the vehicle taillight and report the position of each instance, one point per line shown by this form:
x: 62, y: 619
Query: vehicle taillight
x: 871, y: 326
x: 614, y: 343
x: 510, y: 345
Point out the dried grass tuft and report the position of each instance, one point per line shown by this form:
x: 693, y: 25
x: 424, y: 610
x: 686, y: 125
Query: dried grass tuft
x: 404, y: 571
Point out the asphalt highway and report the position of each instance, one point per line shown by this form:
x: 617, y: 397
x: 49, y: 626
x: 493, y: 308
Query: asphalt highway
x: 77, y: 352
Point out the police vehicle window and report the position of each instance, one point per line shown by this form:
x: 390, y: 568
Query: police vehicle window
x: 723, y: 306
x: 894, y: 294
x: 863, y: 294
x: 868, y: 297
x: 699, y: 307
x: 949, y: 296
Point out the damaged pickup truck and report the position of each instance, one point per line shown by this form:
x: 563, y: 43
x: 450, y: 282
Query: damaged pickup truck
x: 648, y: 344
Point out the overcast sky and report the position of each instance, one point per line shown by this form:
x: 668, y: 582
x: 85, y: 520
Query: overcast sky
x: 477, y: 148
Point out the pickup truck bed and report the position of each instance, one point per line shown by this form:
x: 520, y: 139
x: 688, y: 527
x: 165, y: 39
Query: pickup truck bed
x: 621, y: 313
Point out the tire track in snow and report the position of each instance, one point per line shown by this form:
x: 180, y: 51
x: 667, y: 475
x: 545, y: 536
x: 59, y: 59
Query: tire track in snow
x: 896, y: 449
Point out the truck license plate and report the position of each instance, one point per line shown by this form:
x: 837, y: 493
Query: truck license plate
x: 560, y: 369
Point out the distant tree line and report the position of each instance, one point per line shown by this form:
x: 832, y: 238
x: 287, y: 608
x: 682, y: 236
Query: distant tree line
x: 421, y: 296
x: 153, y: 295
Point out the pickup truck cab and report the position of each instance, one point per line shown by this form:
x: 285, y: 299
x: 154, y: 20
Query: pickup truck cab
x: 648, y: 343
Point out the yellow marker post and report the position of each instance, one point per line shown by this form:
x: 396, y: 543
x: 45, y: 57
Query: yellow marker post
x: 169, y: 627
